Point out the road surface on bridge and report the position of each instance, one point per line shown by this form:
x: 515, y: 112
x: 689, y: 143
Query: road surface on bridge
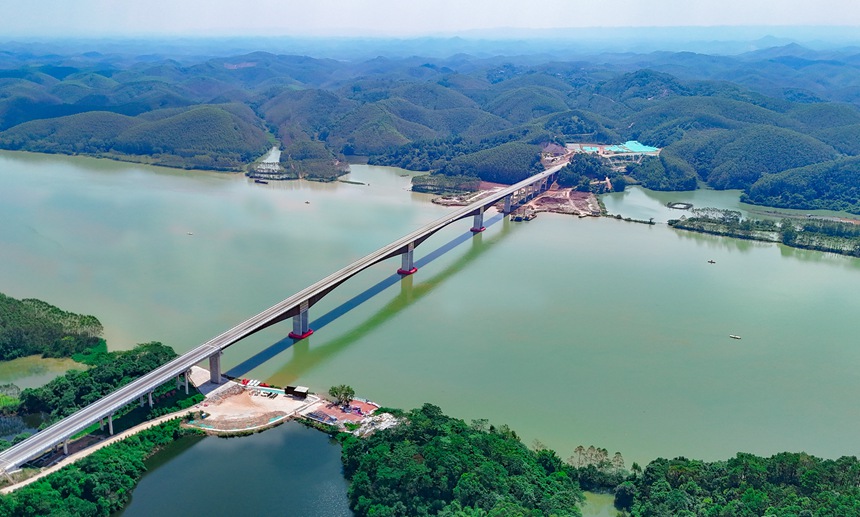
x: 63, y: 430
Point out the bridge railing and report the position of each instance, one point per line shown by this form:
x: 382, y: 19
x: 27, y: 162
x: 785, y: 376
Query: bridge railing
x: 66, y: 428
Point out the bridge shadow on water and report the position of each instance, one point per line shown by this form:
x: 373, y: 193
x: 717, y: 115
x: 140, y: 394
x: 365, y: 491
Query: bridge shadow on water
x: 305, y: 357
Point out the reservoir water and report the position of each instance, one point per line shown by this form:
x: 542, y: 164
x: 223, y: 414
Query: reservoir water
x: 572, y: 331
x: 288, y: 470
x: 34, y: 371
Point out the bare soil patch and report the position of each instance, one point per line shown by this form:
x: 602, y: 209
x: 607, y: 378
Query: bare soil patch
x: 566, y: 201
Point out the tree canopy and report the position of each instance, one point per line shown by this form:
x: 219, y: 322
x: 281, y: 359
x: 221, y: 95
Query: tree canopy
x: 342, y: 394
x: 32, y: 326
x: 74, y: 390
x: 731, y: 122
x: 98, y: 485
x: 746, y: 485
x: 433, y: 464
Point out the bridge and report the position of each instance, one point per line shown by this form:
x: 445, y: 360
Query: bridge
x: 295, y: 307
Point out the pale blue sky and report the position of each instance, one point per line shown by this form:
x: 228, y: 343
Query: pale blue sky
x: 396, y: 17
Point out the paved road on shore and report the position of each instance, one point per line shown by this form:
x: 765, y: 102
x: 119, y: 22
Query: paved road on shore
x: 83, y: 453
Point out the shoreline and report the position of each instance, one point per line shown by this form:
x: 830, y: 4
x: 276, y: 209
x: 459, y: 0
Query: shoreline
x: 238, y: 409
x: 232, y: 409
x: 567, y: 201
x: 90, y: 449
x: 761, y: 236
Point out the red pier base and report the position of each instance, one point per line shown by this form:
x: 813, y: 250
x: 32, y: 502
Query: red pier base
x: 406, y: 272
x: 477, y: 230
x: 293, y: 335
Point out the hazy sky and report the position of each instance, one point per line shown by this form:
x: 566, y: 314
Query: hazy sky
x: 396, y: 17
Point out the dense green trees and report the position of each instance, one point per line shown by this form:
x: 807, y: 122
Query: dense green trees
x: 98, y: 485
x: 209, y: 137
x: 428, y: 155
x: 214, y: 131
x: 432, y: 464
x: 507, y: 163
x: 728, y: 223
x: 442, y: 184
x: 845, y: 139
x: 833, y: 185
x: 463, y: 116
x: 74, y: 390
x: 663, y: 172
x: 761, y: 150
x: 32, y: 326
x: 588, y: 172
x: 746, y: 485
x: 101, y: 483
x: 9, y: 397
x: 812, y: 233
x: 311, y: 159
x: 583, y: 166
x: 580, y: 126
x: 342, y: 394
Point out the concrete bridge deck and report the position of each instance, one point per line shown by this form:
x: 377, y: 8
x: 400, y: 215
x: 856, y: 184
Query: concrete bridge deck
x: 296, y: 306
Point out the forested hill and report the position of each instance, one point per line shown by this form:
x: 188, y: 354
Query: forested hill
x: 784, y: 484
x: 730, y: 121
x: 220, y: 137
x: 31, y: 326
x: 433, y: 464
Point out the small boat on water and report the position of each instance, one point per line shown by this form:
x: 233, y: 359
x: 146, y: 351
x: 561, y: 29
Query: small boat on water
x: 733, y: 336
x: 712, y: 262
x: 264, y: 182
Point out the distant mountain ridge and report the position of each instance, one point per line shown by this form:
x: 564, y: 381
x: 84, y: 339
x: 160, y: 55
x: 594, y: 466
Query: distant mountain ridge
x: 731, y: 121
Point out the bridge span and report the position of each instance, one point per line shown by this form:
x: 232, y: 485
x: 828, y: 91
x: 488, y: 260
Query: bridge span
x: 296, y: 307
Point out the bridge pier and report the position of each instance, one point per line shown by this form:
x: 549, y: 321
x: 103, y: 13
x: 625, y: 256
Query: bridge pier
x: 301, y: 328
x: 478, y: 222
x: 101, y: 424
x: 215, y: 368
x: 66, y: 446
x: 141, y: 401
x: 150, y: 399
x: 179, y: 381
x: 101, y: 410
x: 406, y: 289
x: 407, y: 264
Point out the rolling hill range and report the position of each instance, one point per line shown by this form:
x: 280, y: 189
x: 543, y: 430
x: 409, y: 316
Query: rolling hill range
x: 782, y: 118
x: 206, y: 136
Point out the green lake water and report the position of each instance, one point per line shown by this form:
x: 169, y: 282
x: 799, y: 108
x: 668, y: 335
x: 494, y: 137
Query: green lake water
x: 288, y: 470
x: 599, y: 505
x: 34, y: 371
x: 572, y: 331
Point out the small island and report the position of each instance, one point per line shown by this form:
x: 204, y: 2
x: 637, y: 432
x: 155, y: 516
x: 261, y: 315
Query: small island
x: 827, y: 234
